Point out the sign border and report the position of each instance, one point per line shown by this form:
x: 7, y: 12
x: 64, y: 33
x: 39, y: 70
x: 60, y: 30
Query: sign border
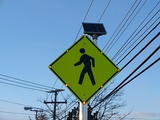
x: 84, y: 36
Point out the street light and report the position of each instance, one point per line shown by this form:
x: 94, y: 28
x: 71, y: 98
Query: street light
x: 27, y: 108
x: 34, y: 109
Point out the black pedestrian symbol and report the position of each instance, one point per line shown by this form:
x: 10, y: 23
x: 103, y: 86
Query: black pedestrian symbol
x: 86, y: 60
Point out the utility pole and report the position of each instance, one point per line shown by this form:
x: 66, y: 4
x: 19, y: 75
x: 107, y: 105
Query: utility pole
x: 94, y: 30
x: 55, y: 101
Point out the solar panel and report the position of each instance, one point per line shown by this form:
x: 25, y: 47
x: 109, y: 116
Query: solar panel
x: 94, y: 29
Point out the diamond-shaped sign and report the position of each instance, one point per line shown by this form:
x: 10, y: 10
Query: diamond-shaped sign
x: 84, y: 69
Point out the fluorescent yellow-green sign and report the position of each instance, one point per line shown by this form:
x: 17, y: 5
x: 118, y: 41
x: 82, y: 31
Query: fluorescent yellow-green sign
x: 84, y: 69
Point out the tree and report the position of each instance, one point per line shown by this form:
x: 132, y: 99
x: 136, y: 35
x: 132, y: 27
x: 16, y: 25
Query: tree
x: 42, y: 116
x: 105, y: 110
x: 108, y: 108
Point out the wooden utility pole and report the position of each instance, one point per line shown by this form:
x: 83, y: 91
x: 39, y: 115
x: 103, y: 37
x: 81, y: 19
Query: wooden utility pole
x: 55, y: 101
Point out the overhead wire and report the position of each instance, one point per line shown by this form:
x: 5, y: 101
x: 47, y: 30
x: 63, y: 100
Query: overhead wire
x: 157, y: 60
x: 12, y: 102
x: 104, y: 11
x: 7, y: 112
x: 154, y: 38
x: 138, y: 42
x: 103, y: 14
x: 86, y: 16
x: 15, y: 103
x: 118, y: 88
x: 135, y: 70
x: 8, y: 80
x: 25, y: 81
x: 115, y: 40
x: 124, y: 83
x: 131, y: 21
x: 140, y: 65
x: 129, y: 39
x: 24, y: 84
x: 108, y: 3
x: 55, y: 83
x: 150, y: 64
x: 84, y: 19
x: 119, y: 26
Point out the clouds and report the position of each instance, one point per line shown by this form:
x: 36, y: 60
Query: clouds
x: 145, y: 115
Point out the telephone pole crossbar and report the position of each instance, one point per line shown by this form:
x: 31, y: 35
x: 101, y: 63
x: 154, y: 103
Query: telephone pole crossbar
x: 55, y: 101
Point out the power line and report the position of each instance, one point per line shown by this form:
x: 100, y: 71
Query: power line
x: 13, y: 81
x: 131, y: 21
x: 137, y: 43
x: 25, y: 81
x: 22, y: 86
x: 13, y: 102
x: 55, y: 83
x: 104, y: 11
x: 120, y: 87
x: 123, y: 83
x: 115, y: 40
x: 126, y: 44
x: 137, y: 28
x: 141, y: 51
x: 138, y: 74
x: 25, y: 84
x: 87, y: 15
x: 15, y: 113
x: 84, y: 19
x: 153, y: 62
x: 119, y: 25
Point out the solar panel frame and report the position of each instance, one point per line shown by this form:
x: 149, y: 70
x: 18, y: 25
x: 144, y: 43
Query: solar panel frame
x: 94, y: 29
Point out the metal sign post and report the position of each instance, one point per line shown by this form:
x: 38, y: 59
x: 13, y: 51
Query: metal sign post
x: 83, y: 109
x: 94, y: 30
x: 96, y: 65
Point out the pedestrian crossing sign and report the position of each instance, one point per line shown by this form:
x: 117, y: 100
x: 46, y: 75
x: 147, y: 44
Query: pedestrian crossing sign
x: 84, y: 69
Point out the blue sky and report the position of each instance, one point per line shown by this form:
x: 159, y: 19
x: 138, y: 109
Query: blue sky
x: 33, y: 33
